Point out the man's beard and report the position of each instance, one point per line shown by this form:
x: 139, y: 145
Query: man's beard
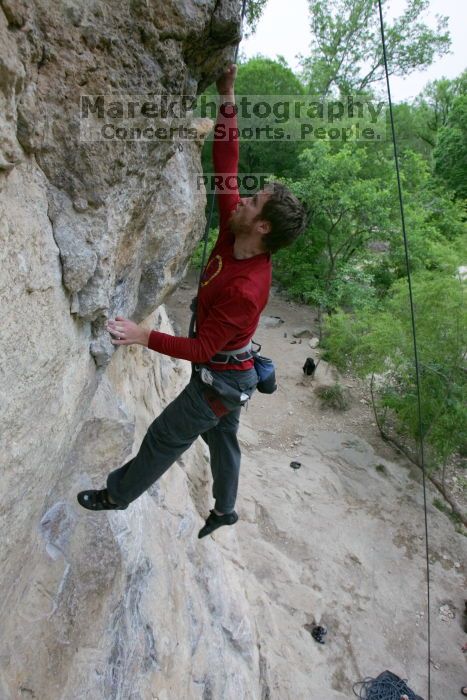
x: 239, y: 228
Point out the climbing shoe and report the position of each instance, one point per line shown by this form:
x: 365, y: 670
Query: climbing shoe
x: 97, y: 500
x: 214, y: 521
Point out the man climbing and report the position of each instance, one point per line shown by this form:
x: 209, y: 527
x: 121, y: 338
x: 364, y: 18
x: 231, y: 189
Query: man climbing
x: 233, y: 292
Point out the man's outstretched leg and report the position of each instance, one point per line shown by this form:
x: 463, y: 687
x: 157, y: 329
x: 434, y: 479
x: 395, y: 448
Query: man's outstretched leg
x: 225, y: 457
x: 167, y: 438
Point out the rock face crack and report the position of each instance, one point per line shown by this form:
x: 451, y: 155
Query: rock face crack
x: 263, y: 676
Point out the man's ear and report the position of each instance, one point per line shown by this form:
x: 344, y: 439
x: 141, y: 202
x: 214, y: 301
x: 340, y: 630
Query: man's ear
x: 264, y: 245
x: 264, y: 226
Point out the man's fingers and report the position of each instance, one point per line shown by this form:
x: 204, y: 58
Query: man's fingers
x: 115, y: 329
x: 119, y: 328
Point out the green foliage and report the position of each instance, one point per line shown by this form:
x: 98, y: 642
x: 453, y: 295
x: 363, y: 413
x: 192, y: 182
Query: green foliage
x: 197, y: 256
x: 348, y: 209
x: 434, y: 222
x: 450, y: 154
x: 265, y: 76
x: 411, y: 128
x: 254, y: 10
x: 418, y: 125
x: 346, y: 44
x: 353, y: 198
x: 262, y: 76
x: 379, y: 340
x: 432, y: 107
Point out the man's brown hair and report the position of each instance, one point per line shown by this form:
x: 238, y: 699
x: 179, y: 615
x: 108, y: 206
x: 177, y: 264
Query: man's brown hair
x: 286, y: 214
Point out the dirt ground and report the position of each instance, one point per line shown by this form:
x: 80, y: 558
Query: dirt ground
x: 339, y: 541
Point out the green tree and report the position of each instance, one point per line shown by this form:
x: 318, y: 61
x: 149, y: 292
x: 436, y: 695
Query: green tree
x: 346, y: 53
x: 348, y: 209
x: 411, y: 131
x: 435, y: 223
x: 450, y: 154
x: 378, y: 339
x: 264, y: 79
x: 265, y: 76
x: 433, y: 106
x: 353, y: 250
x: 274, y: 79
x: 254, y: 10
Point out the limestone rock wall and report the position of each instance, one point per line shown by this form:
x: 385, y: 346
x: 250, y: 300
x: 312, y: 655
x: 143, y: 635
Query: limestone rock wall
x: 125, y: 604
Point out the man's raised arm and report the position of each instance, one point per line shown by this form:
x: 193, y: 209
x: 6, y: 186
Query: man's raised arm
x: 226, y: 145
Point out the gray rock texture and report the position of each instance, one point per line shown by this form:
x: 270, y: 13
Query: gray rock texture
x: 102, y: 605
x: 111, y: 204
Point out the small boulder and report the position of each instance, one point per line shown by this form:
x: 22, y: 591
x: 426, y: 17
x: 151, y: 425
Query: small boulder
x: 302, y: 333
x: 270, y: 321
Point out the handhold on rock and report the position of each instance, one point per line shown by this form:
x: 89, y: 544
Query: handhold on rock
x: 295, y: 465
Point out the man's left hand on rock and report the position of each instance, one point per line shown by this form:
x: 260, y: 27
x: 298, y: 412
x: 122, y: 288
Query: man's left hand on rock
x: 126, y: 332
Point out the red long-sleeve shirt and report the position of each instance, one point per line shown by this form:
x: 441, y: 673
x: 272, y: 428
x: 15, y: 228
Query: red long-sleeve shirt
x: 233, y: 293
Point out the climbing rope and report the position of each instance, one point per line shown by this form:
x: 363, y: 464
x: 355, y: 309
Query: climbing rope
x: 414, y: 338
x: 191, y: 331
x: 386, y: 687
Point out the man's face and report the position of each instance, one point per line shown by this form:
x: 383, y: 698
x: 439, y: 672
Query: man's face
x: 243, y: 218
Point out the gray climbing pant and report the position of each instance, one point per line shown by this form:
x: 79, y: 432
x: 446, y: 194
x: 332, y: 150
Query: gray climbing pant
x: 180, y: 423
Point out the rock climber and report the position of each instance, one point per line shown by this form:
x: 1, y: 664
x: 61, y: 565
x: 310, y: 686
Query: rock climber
x: 233, y: 292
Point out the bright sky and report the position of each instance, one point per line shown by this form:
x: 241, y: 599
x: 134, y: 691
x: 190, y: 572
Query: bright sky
x: 284, y: 29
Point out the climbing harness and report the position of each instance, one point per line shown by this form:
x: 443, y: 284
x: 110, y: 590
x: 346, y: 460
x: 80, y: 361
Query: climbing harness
x: 235, y: 357
x: 216, y: 381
